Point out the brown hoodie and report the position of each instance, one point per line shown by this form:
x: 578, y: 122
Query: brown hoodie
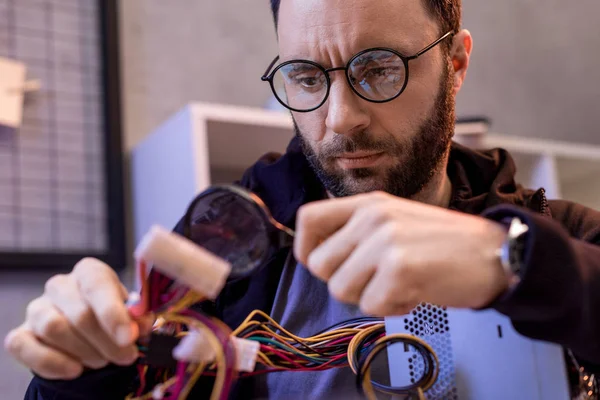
x: 557, y: 299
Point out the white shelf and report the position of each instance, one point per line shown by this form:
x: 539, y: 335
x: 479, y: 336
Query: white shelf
x: 566, y: 170
x: 553, y: 148
x: 201, y: 145
x: 206, y: 143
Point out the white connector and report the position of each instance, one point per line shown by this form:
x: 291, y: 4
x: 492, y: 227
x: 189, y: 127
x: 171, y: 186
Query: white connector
x: 246, y: 352
x: 158, y: 393
x: 183, y: 260
x: 195, y: 347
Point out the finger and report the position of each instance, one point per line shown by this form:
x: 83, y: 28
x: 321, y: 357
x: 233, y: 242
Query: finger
x: 350, y: 280
x: 324, y: 261
x: 319, y: 220
x: 53, y: 328
x: 145, y: 324
x: 64, y: 294
x: 387, y: 293
x: 101, y: 289
x: 43, y: 360
x: 365, y: 223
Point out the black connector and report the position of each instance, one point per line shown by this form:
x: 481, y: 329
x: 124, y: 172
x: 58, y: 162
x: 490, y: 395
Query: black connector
x: 160, y: 351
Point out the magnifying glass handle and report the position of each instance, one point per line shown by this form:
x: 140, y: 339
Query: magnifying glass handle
x: 286, y: 238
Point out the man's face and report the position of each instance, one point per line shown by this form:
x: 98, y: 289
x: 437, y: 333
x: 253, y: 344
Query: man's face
x: 356, y: 146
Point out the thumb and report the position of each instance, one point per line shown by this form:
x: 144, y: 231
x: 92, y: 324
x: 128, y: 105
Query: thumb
x: 145, y: 324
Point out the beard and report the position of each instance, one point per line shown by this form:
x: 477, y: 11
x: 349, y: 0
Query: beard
x: 419, y: 158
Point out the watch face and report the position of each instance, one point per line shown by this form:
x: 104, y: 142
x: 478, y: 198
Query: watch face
x: 517, y: 236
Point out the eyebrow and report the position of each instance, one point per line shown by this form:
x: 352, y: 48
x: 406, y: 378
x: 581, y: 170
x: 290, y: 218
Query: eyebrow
x: 397, y: 48
x: 364, y: 59
x: 300, y: 67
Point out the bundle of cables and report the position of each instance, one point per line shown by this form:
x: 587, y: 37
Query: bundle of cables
x: 227, y: 235
x: 258, y: 346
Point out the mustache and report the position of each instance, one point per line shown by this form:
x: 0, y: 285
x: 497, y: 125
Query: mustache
x: 361, y: 141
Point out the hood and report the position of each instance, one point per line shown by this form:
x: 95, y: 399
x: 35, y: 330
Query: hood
x: 484, y: 179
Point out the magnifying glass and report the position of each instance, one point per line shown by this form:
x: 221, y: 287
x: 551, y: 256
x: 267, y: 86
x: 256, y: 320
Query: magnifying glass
x: 233, y: 224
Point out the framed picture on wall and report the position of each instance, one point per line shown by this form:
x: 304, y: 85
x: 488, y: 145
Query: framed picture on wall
x: 61, y: 177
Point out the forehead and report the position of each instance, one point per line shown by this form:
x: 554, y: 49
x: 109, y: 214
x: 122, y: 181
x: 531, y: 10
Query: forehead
x: 331, y: 28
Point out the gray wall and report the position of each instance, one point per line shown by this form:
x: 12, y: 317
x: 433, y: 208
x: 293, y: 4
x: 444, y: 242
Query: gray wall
x: 536, y: 67
x: 188, y: 50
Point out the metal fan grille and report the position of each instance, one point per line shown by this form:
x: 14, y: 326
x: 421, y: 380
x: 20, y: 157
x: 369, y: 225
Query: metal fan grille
x: 430, y: 323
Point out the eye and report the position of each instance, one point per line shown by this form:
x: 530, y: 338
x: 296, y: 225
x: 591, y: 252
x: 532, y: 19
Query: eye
x: 303, y: 77
x: 377, y: 71
x: 383, y: 71
x: 377, y: 66
x: 308, y: 82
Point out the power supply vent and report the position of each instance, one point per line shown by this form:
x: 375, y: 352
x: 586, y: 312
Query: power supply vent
x: 430, y: 323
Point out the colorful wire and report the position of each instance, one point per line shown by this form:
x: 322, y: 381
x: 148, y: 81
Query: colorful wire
x: 354, y: 343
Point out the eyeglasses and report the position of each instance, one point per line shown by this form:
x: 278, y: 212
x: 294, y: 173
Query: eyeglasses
x: 377, y: 75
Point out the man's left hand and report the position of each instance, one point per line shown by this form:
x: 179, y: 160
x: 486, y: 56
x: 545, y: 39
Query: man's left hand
x: 388, y: 254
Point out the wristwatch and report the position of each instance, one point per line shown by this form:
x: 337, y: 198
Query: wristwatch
x: 512, y: 252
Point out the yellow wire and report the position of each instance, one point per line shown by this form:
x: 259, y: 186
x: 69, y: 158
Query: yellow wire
x: 358, y: 338
x: 265, y: 359
x: 336, y: 334
x: 215, y: 344
x: 193, y: 379
x: 368, y: 386
x: 323, y: 337
x: 150, y: 394
x: 283, y: 336
x: 189, y: 299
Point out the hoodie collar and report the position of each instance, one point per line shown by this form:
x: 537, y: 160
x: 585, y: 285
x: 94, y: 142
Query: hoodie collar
x: 483, y: 179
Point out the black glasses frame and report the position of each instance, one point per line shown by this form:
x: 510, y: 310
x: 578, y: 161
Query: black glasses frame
x: 405, y: 59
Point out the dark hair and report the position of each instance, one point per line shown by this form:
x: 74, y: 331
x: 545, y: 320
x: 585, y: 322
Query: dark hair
x: 447, y: 12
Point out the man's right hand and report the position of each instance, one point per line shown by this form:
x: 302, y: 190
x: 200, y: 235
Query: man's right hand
x: 80, y: 321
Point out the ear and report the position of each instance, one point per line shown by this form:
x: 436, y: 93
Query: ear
x: 460, y: 54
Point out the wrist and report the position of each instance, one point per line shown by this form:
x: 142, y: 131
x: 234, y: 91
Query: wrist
x: 494, y: 281
x: 511, y: 252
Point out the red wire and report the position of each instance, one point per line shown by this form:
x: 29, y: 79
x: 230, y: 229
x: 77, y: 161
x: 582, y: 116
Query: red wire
x: 180, y: 373
x: 140, y: 369
x: 338, y: 341
x: 303, y: 369
x: 279, y: 353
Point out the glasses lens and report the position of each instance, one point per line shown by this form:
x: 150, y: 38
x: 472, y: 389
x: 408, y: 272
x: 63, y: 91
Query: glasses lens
x: 300, y: 85
x: 378, y: 75
x: 232, y: 227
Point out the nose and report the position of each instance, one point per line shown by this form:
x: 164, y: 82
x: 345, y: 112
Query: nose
x: 345, y: 114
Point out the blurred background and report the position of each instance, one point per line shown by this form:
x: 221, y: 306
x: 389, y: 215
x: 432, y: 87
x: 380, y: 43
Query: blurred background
x: 534, y: 74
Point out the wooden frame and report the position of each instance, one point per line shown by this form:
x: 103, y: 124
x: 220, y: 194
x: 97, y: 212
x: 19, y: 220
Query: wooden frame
x: 114, y: 255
